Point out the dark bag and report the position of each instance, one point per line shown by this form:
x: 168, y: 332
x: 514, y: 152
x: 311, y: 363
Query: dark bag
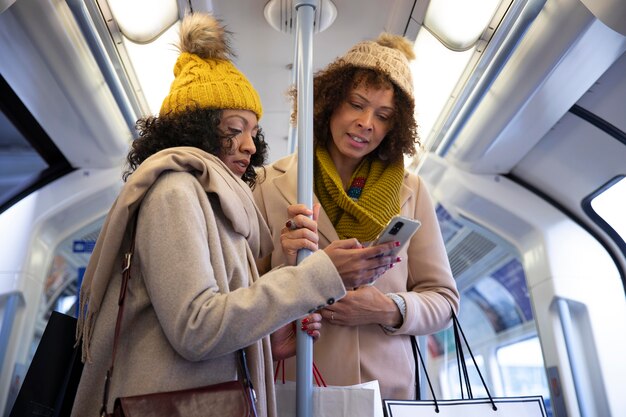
x: 227, y: 399
x: 50, y: 384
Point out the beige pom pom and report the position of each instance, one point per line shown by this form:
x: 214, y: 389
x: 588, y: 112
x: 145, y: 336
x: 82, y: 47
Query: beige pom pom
x: 203, y: 35
x: 398, y: 42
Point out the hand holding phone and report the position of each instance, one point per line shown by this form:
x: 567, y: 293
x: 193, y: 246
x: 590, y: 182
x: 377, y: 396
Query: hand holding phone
x: 399, y: 229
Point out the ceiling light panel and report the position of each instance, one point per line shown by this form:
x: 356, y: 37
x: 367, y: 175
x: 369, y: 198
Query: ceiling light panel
x: 458, y: 24
x: 141, y: 21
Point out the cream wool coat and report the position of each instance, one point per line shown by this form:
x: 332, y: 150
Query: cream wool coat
x: 193, y: 300
x: 347, y: 355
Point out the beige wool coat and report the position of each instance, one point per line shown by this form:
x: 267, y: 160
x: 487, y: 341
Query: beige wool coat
x: 194, y: 298
x: 347, y: 355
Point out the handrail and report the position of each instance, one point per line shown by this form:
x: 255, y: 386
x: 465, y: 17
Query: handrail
x: 573, y: 356
x: 304, y: 39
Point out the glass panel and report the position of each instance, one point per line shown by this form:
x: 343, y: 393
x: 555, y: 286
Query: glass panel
x: 20, y: 164
x: 63, y: 282
x: 496, y: 316
x: 611, y: 206
x: 522, y: 369
x: 454, y: 383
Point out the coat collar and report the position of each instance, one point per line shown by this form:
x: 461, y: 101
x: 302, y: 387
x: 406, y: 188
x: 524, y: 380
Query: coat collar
x: 286, y: 182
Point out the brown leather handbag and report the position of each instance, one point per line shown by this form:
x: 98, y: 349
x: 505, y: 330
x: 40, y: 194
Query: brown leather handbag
x: 227, y: 399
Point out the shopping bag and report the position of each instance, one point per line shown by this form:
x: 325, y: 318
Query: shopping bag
x: 527, y: 406
x: 479, y: 407
x: 52, y: 378
x: 362, y: 400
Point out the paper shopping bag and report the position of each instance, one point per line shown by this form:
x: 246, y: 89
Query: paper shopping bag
x: 530, y: 406
x: 362, y: 400
x: 478, y: 407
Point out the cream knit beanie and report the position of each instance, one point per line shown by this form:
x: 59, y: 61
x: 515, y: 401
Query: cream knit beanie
x: 389, y: 54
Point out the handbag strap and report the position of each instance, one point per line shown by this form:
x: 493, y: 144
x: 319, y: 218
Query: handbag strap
x: 462, y: 366
x: 128, y: 256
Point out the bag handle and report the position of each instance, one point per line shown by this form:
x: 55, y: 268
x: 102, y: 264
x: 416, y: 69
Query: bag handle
x: 461, y: 364
x: 128, y: 256
x: 319, y: 380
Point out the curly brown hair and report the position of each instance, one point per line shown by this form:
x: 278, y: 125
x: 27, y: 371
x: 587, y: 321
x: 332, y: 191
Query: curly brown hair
x: 196, y: 127
x: 331, y: 87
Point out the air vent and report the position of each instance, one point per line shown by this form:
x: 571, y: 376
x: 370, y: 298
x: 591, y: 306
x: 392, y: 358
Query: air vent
x: 281, y: 15
x: 469, y: 251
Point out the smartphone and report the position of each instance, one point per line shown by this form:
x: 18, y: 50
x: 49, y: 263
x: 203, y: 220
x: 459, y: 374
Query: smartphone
x: 399, y: 229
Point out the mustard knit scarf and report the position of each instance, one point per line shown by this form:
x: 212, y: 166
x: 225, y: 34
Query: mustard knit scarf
x: 365, y: 216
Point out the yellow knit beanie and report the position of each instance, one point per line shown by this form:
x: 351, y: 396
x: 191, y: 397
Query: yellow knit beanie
x: 390, y: 54
x: 204, y: 76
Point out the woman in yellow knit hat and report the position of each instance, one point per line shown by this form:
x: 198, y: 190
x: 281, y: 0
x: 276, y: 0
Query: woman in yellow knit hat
x: 195, y: 298
x: 363, y: 125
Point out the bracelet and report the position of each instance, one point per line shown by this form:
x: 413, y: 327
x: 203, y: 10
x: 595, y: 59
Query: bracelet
x: 401, y: 306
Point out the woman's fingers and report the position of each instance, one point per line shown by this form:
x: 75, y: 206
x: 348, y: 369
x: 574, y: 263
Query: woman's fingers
x: 357, y: 265
x: 312, y: 324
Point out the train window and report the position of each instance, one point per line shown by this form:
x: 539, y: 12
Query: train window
x: 609, y: 202
x: 495, y: 313
x: 522, y: 369
x: 28, y: 158
x: 606, y: 206
x: 20, y: 161
x: 453, y: 382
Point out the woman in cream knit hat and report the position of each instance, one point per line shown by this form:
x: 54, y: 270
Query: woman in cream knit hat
x: 195, y: 297
x: 363, y: 125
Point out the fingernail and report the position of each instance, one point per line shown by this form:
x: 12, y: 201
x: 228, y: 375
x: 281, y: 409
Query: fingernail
x: 303, y: 327
x: 396, y: 243
x: 310, y: 332
x: 289, y: 224
x: 398, y: 259
x: 305, y: 321
x: 390, y: 266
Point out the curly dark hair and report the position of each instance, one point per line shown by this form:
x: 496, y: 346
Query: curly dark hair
x: 331, y: 87
x: 195, y: 127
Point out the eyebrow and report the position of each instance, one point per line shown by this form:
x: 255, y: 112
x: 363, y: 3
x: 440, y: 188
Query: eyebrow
x: 243, y: 119
x: 365, y: 99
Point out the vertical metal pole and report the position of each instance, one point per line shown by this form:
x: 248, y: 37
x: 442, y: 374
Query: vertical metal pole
x: 305, y: 10
x: 292, y: 135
